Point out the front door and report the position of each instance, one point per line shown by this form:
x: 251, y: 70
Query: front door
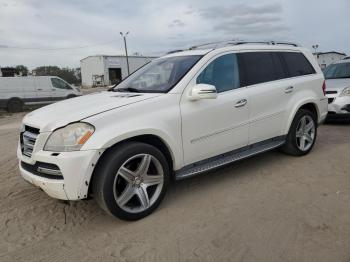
x: 60, y: 89
x: 215, y: 126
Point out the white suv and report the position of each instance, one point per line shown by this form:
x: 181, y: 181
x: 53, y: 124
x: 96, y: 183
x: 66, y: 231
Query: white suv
x: 180, y: 115
x: 338, y: 88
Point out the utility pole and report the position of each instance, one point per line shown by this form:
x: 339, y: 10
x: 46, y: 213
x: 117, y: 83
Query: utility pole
x: 315, y: 48
x: 126, y: 50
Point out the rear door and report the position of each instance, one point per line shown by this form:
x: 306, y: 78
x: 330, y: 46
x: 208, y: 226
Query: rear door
x: 263, y: 75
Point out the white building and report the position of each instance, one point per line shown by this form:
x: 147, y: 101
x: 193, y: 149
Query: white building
x: 326, y: 58
x: 101, y: 70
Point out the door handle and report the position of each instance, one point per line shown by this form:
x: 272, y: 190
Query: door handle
x: 39, y: 89
x: 289, y: 89
x: 241, y: 103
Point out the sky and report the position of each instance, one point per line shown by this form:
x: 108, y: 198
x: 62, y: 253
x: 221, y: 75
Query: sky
x: 62, y: 32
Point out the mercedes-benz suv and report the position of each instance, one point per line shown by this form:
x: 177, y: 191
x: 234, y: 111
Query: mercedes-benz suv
x: 180, y: 115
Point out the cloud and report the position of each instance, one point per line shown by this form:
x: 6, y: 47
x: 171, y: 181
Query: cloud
x: 227, y: 11
x: 159, y: 26
x: 176, y: 23
x: 242, y: 20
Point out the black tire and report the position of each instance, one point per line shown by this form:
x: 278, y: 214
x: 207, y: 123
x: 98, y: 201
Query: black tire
x: 106, y: 172
x: 291, y: 147
x: 71, y: 96
x: 14, y: 105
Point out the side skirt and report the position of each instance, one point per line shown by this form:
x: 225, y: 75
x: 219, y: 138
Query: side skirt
x: 229, y: 157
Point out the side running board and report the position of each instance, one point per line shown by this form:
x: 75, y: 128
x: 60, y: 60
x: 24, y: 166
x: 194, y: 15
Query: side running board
x: 230, y: 157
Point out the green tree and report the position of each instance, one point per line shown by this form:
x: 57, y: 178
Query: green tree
x: 21, y: 69
x: 68, y: 74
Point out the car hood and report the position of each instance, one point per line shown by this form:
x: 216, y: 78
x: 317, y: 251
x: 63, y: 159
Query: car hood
x: 337, y: 84
x: 59, y: 114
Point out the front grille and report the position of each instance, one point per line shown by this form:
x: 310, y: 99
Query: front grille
x: 28, y: 138
x: 330, y: 100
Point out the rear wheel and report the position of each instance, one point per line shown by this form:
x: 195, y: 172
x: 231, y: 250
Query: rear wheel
x: 14, y: 105
x: 131, y: 180
x: 302, y: 134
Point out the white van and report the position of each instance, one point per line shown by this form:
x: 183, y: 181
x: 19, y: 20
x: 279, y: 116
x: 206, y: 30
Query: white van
x: 16, y: 92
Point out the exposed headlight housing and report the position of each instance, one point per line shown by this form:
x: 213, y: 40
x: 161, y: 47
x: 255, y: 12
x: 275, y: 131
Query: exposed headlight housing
x: 69, y: 138
x: 345, y: 92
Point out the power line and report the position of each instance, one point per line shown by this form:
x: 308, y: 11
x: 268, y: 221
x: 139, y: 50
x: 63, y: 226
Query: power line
x: 53, y: 48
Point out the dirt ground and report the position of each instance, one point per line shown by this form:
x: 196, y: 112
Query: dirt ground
x: 271, y: 207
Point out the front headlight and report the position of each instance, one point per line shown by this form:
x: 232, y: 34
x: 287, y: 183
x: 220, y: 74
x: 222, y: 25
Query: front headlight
x: 69, y: 138
x: 345, y: 92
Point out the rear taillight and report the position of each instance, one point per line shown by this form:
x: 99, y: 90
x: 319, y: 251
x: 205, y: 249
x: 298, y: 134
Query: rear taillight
x: 324, y: 88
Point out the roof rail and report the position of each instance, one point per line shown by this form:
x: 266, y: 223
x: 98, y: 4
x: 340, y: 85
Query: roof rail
x: 174, y: 51
x: 267, y: 43
x: 240, y: 42
x: 215, y: 44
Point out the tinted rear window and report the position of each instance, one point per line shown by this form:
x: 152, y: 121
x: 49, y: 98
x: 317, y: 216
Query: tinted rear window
x: 260, y: 67
x: 297, y: 64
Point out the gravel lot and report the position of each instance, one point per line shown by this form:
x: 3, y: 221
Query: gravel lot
x: 271, y: 207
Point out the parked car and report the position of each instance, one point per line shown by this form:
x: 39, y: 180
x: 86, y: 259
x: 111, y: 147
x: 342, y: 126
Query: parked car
x: 16, y: 92
x: 209, y: 107
x: 338, y: 88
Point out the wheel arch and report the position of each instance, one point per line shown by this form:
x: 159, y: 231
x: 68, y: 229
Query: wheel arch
x: 309, y: 105
x: 71, y: 96
x: 14, y: 98
x: 150, y: 139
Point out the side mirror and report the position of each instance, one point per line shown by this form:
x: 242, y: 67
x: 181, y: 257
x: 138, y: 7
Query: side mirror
x: 203, y: 91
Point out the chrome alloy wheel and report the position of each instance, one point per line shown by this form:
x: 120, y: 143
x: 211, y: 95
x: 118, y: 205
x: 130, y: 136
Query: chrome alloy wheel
x: 138, y: 183
x: 305, y: 133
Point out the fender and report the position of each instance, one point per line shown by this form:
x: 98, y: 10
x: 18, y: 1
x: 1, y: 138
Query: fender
x: 174, y: 148
x: 164, y: 137
x: 169, y: 143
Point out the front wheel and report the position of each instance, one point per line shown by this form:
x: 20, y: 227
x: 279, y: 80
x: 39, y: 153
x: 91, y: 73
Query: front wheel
x: 14, y: 105
x: 131, y: 180
x: 302, y: 134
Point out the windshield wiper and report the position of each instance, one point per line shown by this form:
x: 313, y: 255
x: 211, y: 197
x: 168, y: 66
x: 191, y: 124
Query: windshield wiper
x: 127, y: 89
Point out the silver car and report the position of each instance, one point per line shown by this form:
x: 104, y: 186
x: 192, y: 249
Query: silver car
x: 338, y: 88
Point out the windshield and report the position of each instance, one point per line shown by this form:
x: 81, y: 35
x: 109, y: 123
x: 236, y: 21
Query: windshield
x: 159, y: 76
x: 341, y: 70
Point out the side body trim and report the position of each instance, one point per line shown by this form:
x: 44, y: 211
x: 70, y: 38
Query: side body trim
x: 229, y: 157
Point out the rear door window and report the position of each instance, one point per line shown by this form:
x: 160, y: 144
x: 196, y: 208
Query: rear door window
x: 261, y: 67
x: 297, y: 64
x: 280, y: 70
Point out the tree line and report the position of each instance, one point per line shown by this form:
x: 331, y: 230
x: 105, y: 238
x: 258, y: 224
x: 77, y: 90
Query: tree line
x: 70, y: 75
